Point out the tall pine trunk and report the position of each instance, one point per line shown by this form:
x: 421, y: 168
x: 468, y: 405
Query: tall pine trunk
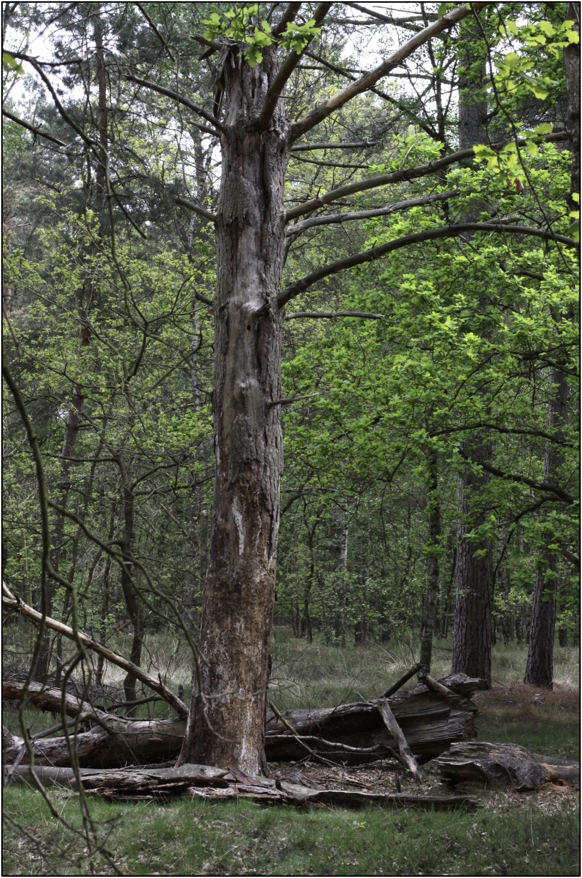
x: 474, y: 574
x: 227, y: 712
x: 539, y: 670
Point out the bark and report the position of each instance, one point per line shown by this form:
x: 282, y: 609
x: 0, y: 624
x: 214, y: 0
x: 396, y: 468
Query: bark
x: 429, y: 722
x: 226, y: 722
x: 395, y: 731
x: 539, y: 669
x: 118, y: 742
x: 504, y: 765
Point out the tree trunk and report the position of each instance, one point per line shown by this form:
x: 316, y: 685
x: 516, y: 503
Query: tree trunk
x: 472, y: 632
x: 432, y: 568
x: 504, y: 765
x: 539, y: 668
x: 226, y: 722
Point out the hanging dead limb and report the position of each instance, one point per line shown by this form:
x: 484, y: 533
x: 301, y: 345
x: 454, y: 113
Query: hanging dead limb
x: 14, y: 604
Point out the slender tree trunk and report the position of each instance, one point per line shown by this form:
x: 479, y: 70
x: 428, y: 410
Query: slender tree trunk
x: 473, y: 629
x: 432, y: 567
x: 130, y: 593
x: 539, y: 668
x: 227, y: 714
x: 74, y: 415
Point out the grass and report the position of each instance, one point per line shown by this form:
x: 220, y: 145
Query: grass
x: 200, y: 838
x: 512, y: 834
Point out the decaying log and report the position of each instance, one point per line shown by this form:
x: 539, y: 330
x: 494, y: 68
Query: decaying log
x: 207, y: 782
x: 429, y: 722
x: 504, y: 765
x: 351, y: 733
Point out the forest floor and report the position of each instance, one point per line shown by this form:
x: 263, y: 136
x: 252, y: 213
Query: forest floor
x: 525, y: 833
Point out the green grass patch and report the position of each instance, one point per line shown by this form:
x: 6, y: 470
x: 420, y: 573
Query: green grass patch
x: 200, y: 838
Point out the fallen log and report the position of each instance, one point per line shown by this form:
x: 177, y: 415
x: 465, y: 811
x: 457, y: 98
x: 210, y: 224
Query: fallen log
x: 356, y: 733
x: 504, y: 765
x: 350, y: 734
x: 202, y: 781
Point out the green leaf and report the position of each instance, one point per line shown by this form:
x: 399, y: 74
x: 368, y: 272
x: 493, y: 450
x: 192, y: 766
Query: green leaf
x: 547, y: 28
x: 9, y: 62
x: 532, y: 147
x: 544, y: 128
x: 512, y: 60
x: 539, y: 92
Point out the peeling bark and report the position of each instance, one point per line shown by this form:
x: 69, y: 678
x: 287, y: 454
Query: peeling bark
x: 226, y: 724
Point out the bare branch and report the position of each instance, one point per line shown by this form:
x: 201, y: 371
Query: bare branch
x: 331, y: 314
x: 99, y: 150
x: 285, y: 71
x: 399, y: 104
x: 31, y: 128
x: 367, y: 214
x: 546, y: 487
x: 290, y: 14
x: 371, y: 13
x: 175, y: 96
x: 155, y: 30
x: 370, y: 79
x: 288, y: 400
x: 212, y: 46
x: 196, y: 208
x: 361, y: 144
x: 405, y: 174
x: 429, y: 235
x: 484, y: 425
